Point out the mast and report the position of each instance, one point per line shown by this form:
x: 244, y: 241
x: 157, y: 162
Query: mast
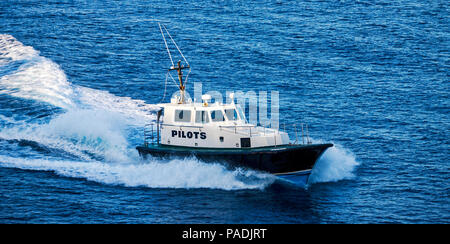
x: 179, y: 67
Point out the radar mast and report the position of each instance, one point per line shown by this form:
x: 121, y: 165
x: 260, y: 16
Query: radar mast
x: 179, y: 67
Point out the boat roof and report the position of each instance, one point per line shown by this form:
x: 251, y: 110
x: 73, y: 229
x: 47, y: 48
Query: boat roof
x: 191, y: 105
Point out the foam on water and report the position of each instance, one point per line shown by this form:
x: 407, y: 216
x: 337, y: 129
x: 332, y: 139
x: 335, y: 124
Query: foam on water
x: 100, y: 129
x: 337, y: 163
x: 86, y: 134
x: 39, y: 78
x: 13, y: 50
x: 186, y: 173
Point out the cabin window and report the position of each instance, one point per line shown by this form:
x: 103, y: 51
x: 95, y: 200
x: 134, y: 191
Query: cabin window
x: 241, y: 113
x: 231, y: 114
x: 182, y: 116
x: 217, y: 116
x: 201, y: 117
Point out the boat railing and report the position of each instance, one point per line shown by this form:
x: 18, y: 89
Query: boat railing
x: 181, y: 126
x: 245, y: 130
x: 258, y: 130
x: 151, y: 134
x: 300, y: 130
x: 152, y: 131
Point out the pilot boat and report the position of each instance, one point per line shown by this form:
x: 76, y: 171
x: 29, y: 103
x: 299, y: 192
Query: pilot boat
x: 216, y: 132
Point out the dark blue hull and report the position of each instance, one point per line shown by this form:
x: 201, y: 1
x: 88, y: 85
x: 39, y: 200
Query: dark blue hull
x: 299, y: 178
x: 290, y: 162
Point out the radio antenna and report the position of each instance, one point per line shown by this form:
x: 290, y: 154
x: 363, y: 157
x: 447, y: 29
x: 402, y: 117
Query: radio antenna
x: 178, y: 67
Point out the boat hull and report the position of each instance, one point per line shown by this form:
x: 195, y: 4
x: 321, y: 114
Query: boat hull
x: 290, y: 162
x: 299, y: 178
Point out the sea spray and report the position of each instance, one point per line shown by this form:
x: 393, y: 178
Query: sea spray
x: 177, y: 173
x: 337, y: 163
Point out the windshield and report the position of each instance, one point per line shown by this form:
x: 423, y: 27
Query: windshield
x: 231, y: 114
x: 201, y: 117
x: 217, y: 116
x: 182, y: 115
x: 241, y: 113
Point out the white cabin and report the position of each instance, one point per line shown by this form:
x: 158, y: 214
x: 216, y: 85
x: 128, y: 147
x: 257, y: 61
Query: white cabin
x: 204, y: 125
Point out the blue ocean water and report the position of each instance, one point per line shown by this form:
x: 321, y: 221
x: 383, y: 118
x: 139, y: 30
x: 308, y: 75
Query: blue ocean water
x: 79, y: 79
